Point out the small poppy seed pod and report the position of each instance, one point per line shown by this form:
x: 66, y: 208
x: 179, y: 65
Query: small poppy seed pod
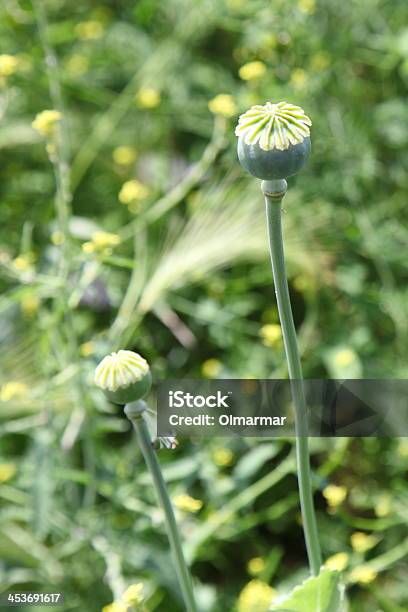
x: 273, y: 140
x: 124, y: 377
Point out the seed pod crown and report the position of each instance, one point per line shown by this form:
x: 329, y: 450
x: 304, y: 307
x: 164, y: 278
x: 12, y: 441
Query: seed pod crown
x: 123, y: 376
x: 274, y: 126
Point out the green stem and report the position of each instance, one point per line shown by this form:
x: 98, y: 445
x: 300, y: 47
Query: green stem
x: 134, y: 412
x: 274, y: 192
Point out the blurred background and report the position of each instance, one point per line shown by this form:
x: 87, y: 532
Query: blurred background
x: 127, y: 222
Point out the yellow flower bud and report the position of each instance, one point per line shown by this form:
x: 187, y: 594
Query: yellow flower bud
x: 338, y: 562
x: 256, y: 596
x: 223, y: 457
x: 13, y: 390
x: 256, y: 566
x: 133, y: 191
x: 383, y: 506
x: 363, y: 574
x: 271, y: 334
x: 88, y: 247
x: 22, y: 263
x: 133, y: 594
x: 224, y: 105
x: 361, y: 542
x: 105, y: 239
x: 8, y: 64
x: 124, y: 155
x: 89, y: 30
x: 148, y: 97
x: 187, y: 504
x: 7, y: 471
x: 46, y: 121
x: 252, y: 71
x: 335, y: 495
x: 77, y: 65
x: 211, y: 368
x: 116, y: 606
x: 344, y: 357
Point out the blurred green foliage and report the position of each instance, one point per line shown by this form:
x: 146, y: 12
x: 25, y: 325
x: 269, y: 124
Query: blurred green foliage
x: 181, y: 275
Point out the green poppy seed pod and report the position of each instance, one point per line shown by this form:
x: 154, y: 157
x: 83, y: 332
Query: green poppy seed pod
x: 124, y: 377
x: 273, y: 140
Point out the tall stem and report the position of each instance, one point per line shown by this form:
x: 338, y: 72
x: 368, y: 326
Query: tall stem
x: 274, y: 192
x: 134, y: 412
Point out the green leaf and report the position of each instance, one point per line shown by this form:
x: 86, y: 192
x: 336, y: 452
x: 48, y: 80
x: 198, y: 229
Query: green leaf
x: 322, y: 593
x: 19, y: 546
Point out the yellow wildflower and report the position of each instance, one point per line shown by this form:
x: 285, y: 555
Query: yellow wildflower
x: 361, y: 542
x: 77, y: 65
x: 22, y: 263
x: 298, y: 78
x: 116, y: 606
x: 57, y: 238
x: 30, y: 304
x: 307, y: 6
x: 105, y: 239
x: 187, y: 504
x: 383, y: 506
x: 252, y: 70
x: 338, y: 562
x: 101, y: 242
x: 148, y: 97
x: 124, y: 155
x: 223, y: 457
x: 363, y: 574
x: 7, y: 471
x: 87, y: 349
x: 271, y: 334
x: 256, y: 596
x: 133, y: 191
x: 211, y: 368
x: 13, y: 390
x: 133, y: 594
x: 224, y: 105
x: 46, y: 121
x: 256, y: 566
x: 89, y: 30
x: 8, y: 64
x: 88, y: 247
x: 344, y: 357
x: 320, y: 60
x: 335, y: 495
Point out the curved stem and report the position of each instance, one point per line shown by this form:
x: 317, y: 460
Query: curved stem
x: 274, y: 192
x: 134, y: 412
